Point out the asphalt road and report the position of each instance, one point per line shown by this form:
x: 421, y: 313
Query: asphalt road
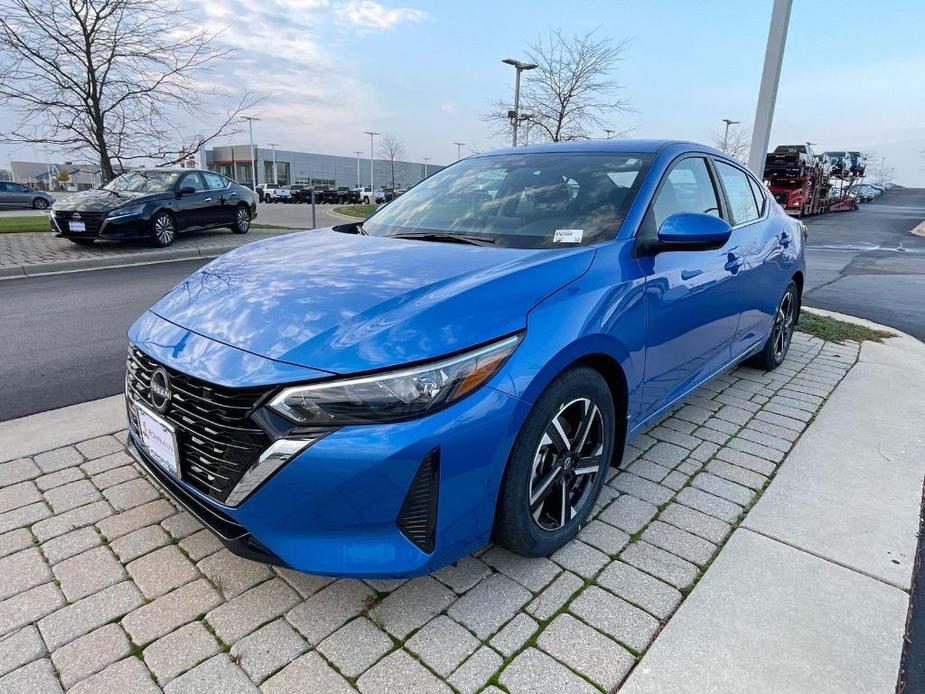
x: 867, y: 264
x: 62, y: 337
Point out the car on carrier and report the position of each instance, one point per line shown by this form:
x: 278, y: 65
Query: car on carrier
x: 792, y: 160
x: 384, y: 397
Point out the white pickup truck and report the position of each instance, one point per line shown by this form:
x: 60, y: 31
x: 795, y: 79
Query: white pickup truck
x: 367, y: 195
x: 276, y: 193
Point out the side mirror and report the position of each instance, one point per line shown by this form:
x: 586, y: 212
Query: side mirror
x: 187, y: 190
x: 693, y: 231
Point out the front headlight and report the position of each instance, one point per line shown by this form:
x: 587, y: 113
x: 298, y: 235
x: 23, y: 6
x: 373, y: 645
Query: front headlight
x: 394, y: 395
x: 127, y: 211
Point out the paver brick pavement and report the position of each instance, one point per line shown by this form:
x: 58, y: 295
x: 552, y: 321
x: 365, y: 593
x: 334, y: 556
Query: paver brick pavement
x: 107, y: 586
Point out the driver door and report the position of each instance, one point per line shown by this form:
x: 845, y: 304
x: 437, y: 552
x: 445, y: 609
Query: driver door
x: 692, y: 308
x: 193, y: 209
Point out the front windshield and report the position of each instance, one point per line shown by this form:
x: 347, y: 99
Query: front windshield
x: 143, y: 182
x: 520, y: 200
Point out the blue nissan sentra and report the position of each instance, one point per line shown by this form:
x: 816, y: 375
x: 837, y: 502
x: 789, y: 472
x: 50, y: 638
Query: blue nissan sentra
x: 381, y: 398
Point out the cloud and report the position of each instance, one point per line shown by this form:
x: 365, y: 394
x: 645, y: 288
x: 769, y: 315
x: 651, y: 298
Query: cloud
x: 369, y: 15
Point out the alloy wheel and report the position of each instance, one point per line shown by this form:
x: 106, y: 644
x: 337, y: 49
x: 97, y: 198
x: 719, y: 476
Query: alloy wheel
x: 41, y: 204
x: 784, y: 324
x: 243, y: 219
x: 567, y: 461
x: 164, y: 228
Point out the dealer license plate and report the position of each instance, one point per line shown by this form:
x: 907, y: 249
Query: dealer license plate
x: 77, y: 226
x: 159, y: 439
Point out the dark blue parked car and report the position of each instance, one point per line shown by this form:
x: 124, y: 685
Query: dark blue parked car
x: 381, y: 398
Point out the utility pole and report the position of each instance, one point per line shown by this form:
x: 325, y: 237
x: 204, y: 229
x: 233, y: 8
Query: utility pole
x: 372, y: 190
x: 250, y: 126
x: 728, y: 122
x: 518, y: 68
x: 770, y: 79
x: 275, y: 174
x: 426, y: 159
x: 459, y: 150
x: 358, y: 167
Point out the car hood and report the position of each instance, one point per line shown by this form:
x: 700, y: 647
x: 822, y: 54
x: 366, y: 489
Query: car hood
x: 99, y: 200
x: 345, y: 303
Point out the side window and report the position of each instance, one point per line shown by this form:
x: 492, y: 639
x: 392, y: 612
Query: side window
x: 3, y: 187
x: 213, y: 180
x: 760, y: 197
x: 192, y: 180
x: 687, y: 188
x: 739, y: 193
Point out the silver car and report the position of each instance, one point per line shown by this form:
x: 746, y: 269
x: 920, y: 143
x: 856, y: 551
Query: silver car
x: 18, y: 195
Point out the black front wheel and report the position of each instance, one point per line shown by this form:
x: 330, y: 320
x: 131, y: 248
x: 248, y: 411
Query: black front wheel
x: 242, y: 220
x: 558, y: 465
x: 163, y: 229
x: 782, y: 327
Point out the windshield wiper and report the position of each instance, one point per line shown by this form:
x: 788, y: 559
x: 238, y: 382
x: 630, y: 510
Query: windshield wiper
x: 445, y: 236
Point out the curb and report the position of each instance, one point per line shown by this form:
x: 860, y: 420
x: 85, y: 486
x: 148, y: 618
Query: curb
x: 114, y: 261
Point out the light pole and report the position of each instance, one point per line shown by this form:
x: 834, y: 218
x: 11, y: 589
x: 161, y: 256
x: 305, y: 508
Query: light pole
x: 275, y: 175
x: 250, y: 126
x: 47, y: 169
x: 609, y: 133
x: 770, y: 78
x: 372, y: 190
x: 358, y: 167
x: 728, y: 122
x: 459, y: 150
x: 426, y: 159
x: 518, y: 68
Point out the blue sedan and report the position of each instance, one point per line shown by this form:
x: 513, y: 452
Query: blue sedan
x: 381, y: 398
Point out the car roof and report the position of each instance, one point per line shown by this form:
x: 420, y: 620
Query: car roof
x: 627, y: 146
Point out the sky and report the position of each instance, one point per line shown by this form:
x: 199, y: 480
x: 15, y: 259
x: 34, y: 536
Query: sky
x: 853, y: 74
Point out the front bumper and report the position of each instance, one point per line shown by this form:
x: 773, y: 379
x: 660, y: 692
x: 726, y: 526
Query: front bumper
x: 337, y: 507
x: 101, y: 226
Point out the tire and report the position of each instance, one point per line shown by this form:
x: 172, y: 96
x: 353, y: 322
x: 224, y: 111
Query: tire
x: 786, y: 316
x: 40, y: 204
x: 544, y: 456
x: 82, y: 242
x: 365, y: 200
x: 163, y: 229
x: 242, y: 220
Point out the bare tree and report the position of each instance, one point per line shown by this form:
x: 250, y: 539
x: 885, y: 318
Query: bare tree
x: 572, y: 92
x: 736, y: 144
x: 110, y: 79
x: 391, y: 148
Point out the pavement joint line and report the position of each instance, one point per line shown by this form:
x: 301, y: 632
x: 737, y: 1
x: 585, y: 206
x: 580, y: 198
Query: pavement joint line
x: 744, y: 526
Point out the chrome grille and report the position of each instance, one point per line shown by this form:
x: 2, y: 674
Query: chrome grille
x: 218, y: 442
x: 93, y: 221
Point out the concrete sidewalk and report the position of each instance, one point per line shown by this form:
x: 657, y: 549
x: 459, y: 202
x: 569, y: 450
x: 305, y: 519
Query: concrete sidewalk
x: 811, y: 592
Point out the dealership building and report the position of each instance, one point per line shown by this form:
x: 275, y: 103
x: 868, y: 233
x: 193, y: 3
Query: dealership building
x: 327, y: 170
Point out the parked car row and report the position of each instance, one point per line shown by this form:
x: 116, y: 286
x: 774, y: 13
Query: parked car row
x: 866, y: 192
x: 342, y: 195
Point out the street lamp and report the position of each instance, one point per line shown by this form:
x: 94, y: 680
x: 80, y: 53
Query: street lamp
x: 728, y: 122
x: 609, y: 133
x: 358, y: 167
x: 426, y: 159
x: 459, y: 150
x: 275, y: 175
x: 250, y: 126
x: 518, y: 68
x: 371, y: 185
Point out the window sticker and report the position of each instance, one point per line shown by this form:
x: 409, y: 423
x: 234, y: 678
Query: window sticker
x: 568, y: 235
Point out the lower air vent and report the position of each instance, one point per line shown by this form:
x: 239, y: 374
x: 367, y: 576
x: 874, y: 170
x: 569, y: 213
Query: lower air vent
x: 418, y: 516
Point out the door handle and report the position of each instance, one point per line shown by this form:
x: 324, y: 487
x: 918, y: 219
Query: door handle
x: 232, y: 195
x: 733, y: 263
x: 784, y: 239
x: 208, y: 200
